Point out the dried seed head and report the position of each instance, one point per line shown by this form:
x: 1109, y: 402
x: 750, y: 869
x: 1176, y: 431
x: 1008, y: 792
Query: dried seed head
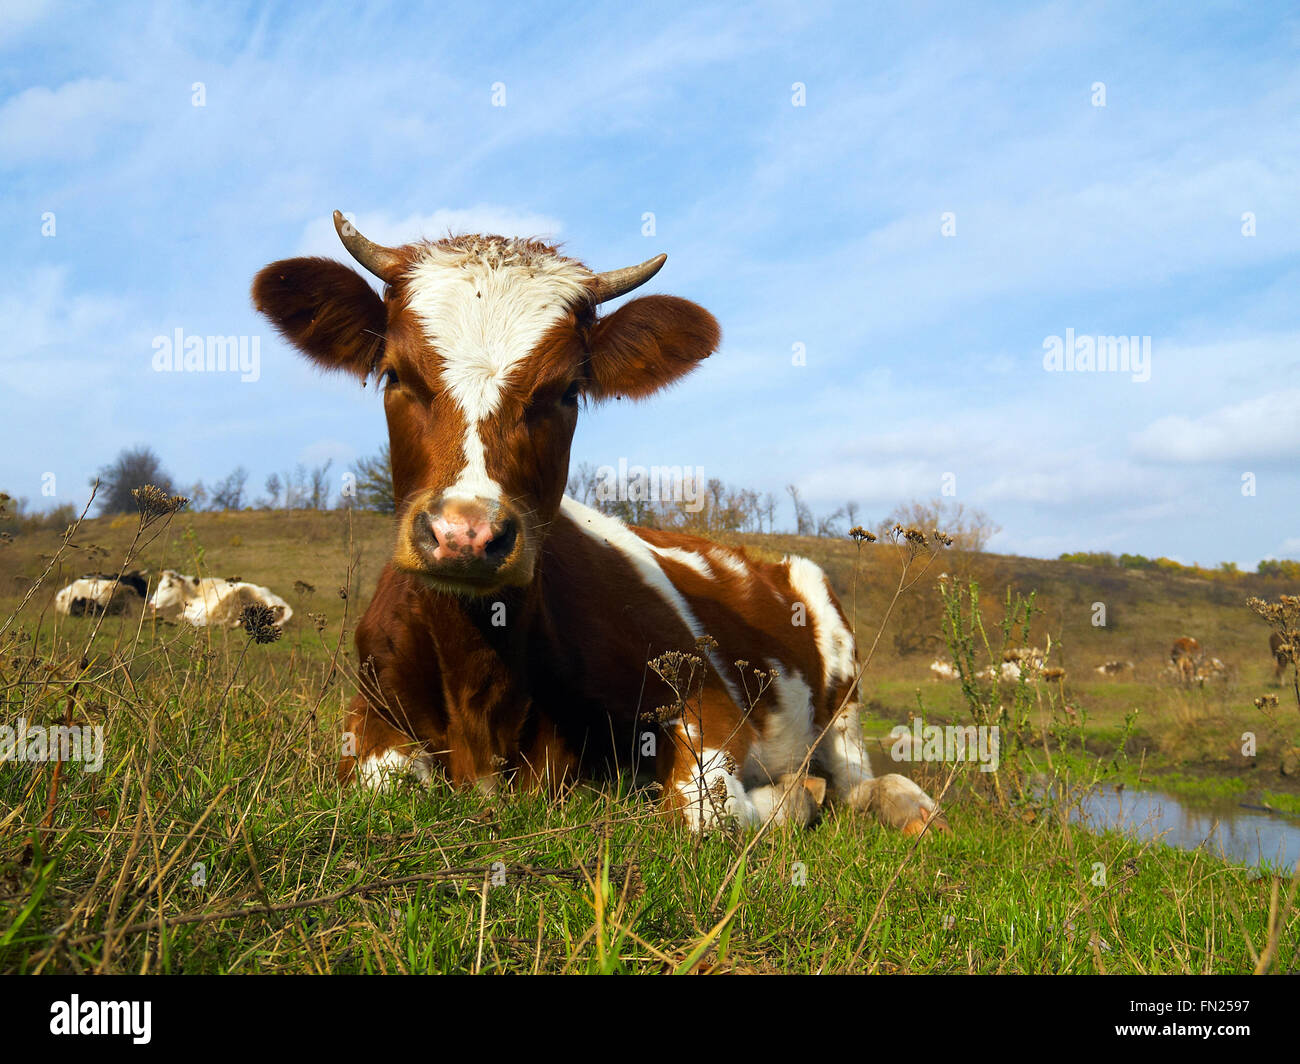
x: 258, y: 620
x: 153, y: 502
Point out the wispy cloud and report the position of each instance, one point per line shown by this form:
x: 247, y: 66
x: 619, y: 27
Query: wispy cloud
x: 1169, y: 212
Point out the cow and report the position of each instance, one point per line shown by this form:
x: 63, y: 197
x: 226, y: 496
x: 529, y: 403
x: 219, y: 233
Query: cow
x: 1185, y: 656
x: 1114, y: 668
x: 1284, y: 653
x: 944, y: 670
x: 516, y: 635
x: 212, y: 601
x: 103, y: 593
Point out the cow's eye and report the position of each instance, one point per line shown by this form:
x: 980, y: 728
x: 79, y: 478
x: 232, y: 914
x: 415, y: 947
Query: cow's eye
x: 571, y: 394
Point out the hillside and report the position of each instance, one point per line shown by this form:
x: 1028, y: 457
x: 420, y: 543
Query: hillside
x: 304, y: 556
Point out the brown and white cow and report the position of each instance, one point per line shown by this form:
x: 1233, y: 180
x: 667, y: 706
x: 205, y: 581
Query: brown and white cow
x: 511, y: 631
x: 1185, y: 656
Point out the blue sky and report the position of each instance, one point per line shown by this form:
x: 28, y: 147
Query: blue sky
x: 819, y: 225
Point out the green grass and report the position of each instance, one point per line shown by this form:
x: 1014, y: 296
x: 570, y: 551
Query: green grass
x: 221, y: 755
x: 245, y: 791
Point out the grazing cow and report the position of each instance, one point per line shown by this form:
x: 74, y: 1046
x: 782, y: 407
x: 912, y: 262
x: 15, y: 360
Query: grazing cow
x: 510, y: 633
x: 944, y: 670
x: 212, y: 601
x: 1185, y: 655
x: 103, y: 593
x: 1284, y: 653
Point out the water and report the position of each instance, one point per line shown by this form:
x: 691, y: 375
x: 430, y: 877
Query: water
x: 1222, y: 826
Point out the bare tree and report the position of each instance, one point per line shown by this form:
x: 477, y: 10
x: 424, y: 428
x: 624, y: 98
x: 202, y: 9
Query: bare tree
x: 582, y: 485
x: 375, y: 482
x: 228, y: 494
x: 970, y: 529
x: 803, y: 518
x: 830, y: 524
x: 319, y: 497
x: 273, y: 489
x: 134, y: 467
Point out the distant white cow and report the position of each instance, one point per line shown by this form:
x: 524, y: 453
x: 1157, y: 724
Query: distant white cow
x: 1008, y: 671
x: 944, y: 670
x: 213, y: 601
x: 93, y: 595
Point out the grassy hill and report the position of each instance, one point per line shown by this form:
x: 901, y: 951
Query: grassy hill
x: 215, y: 838
x: 305, y: 556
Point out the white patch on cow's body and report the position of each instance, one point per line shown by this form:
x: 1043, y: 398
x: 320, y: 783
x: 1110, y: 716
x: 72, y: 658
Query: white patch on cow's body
x: 613, y: 533
x: 787, y: 731
x: 485, y: 307
x: 834, y: 640
x: 705, y: 807
x: 379, y: 771
x: 687, y: 558
x: 842, y: 754
x: 732, y: 563
x: 92, y: 589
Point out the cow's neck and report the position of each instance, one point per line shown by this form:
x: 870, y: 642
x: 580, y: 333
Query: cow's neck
x: 482, y: 649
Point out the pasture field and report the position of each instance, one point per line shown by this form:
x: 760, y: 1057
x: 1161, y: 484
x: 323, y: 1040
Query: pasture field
x: 214, y: 839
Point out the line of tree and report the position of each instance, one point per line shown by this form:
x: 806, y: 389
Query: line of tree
x: 717, y: 507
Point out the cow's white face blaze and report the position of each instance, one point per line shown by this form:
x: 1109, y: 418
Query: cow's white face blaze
x: 484, y: 347
x: 485, y: 373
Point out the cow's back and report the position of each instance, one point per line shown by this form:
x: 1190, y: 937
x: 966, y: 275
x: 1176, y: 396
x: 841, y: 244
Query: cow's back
x: 618, y: 597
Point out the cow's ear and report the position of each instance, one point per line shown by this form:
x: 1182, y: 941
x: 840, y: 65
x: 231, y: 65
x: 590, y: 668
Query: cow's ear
x: 325, y: 310
x: 649, y: 343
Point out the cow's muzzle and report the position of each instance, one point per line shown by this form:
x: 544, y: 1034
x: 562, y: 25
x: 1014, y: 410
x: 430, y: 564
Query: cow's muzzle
x: 471, y: 545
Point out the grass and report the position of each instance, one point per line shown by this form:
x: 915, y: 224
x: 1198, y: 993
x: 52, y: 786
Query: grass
x: 216, y: 840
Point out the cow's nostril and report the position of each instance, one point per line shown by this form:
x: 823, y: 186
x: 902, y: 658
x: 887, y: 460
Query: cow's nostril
x: 427, y: 527
x: 503, y: 542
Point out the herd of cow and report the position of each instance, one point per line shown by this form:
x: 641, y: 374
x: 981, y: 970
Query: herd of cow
x: 199, y: 601
x: 1188, y: 663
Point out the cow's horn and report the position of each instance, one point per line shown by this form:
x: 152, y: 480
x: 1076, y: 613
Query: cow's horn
x: 614, y: 283
x: 384, y: 263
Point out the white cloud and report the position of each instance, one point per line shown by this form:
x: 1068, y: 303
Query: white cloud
x: 1266, y: 428
x: 64, y: 123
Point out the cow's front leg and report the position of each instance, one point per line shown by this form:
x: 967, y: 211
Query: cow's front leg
x: 898, y: 802
x: 700, y: 767
x: 894, y: 800
x: 375, y: 753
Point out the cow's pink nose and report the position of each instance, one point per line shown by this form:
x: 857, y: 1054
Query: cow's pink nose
x: 466, y: 532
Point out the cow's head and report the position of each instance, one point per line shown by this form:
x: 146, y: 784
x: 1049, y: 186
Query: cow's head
x: 174, y: 590
x: 484, y: 347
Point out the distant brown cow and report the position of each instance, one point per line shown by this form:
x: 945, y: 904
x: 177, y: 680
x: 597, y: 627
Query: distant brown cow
x: 1186, y: 656
x: 1283, y: 654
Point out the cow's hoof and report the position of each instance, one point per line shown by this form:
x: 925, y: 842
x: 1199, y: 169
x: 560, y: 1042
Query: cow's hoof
x: 899, y: 803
